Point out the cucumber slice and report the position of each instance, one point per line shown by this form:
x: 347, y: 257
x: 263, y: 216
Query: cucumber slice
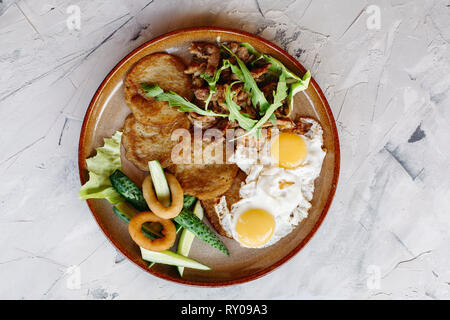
x: 187, y: 237
x: 188, y: 202
x: 159, y: 182
x: 129, y: 190
x: 190, y: 221
x: 172, y: 258
x: 125, y: 212
x: 186, y: 218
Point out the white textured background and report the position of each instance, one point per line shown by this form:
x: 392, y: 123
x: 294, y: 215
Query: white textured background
x: 389, y: 92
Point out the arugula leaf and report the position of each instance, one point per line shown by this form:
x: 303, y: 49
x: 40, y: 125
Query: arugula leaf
x: 243, y: 119
x: 278, y: 98
x: 297, y: 84
x: 296, y: 87
x: 175, y: 100
x: 152, y: 90
x: 252, y: 51
x: 184, y: 105
x: 213, y: 80
x: 250, y: 86
x: 279, y: 68
x: 100, y: 167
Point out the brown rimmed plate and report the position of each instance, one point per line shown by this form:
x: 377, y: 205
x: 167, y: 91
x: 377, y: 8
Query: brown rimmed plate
x: 106, y: 114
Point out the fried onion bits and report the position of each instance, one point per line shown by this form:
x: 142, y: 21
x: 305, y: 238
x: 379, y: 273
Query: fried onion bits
x: 160, y: 244
x: 157, y: 207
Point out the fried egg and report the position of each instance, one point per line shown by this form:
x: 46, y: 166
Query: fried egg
x: 278, y: 190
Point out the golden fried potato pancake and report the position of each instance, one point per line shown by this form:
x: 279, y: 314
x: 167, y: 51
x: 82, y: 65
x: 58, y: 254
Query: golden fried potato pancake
x: 204, y: 181
x: 168, y: 72
x: 209, y: 176
x: 144, y: 143
x: 231, y: 195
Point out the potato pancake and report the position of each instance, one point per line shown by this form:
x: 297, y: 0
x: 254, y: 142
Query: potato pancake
x: 144, y: 143
x: 168, y: 72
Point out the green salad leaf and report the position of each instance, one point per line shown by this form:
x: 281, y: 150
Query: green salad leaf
x: 289, y: 84
x: 250, y: 86
x: 297, y: 84
x: 175, y: 100
x: 278, y: 97
x: 100, y: 167
x: 213, y: 80
x: 252, y: 51
x: 243, y: 119
x: 152, y: 90
x: 296, y: 87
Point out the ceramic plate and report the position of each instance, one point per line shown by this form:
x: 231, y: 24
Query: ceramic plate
x: 106, y: 114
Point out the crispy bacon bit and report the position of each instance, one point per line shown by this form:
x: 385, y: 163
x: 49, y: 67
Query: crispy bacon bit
x: 209, y: 52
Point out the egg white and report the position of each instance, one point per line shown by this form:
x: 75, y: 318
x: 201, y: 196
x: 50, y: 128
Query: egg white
x: 266, y: 188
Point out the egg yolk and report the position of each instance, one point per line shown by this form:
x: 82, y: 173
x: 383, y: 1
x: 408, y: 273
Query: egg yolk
x: 255, y: 227
x: 288, y: 149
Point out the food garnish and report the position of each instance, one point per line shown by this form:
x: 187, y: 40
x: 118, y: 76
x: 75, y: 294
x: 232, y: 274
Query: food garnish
x: 298, y: 84
x: 171, y: 258
x: 100, y: 166
x: 250, y: 86
x: 187, y: 219
x: 106, y: 181
x: 243, y: 119
x: 159, y: 182
x: 128, y: 190
x: 260, y: 103
x: 176, y: 193
x: 175, y: 100
x: 191, y: 222
x: 126, y: 212
x: 187, y: 237
x: 158, y: 244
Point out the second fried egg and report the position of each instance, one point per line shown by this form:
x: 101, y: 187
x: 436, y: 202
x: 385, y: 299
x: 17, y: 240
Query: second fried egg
x: 279, y: 187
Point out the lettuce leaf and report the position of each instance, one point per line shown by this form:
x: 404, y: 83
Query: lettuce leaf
x: 100, y: 167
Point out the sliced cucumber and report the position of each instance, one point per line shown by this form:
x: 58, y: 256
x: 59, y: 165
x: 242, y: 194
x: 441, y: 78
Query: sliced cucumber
x: 125, y: 212
x: 187, y: 237
x: 159, y: 182
x: 188, y: 202
x: 172, y: 258
x: 186, y: 218
x: 190, y: 221
x: 129, y: 190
